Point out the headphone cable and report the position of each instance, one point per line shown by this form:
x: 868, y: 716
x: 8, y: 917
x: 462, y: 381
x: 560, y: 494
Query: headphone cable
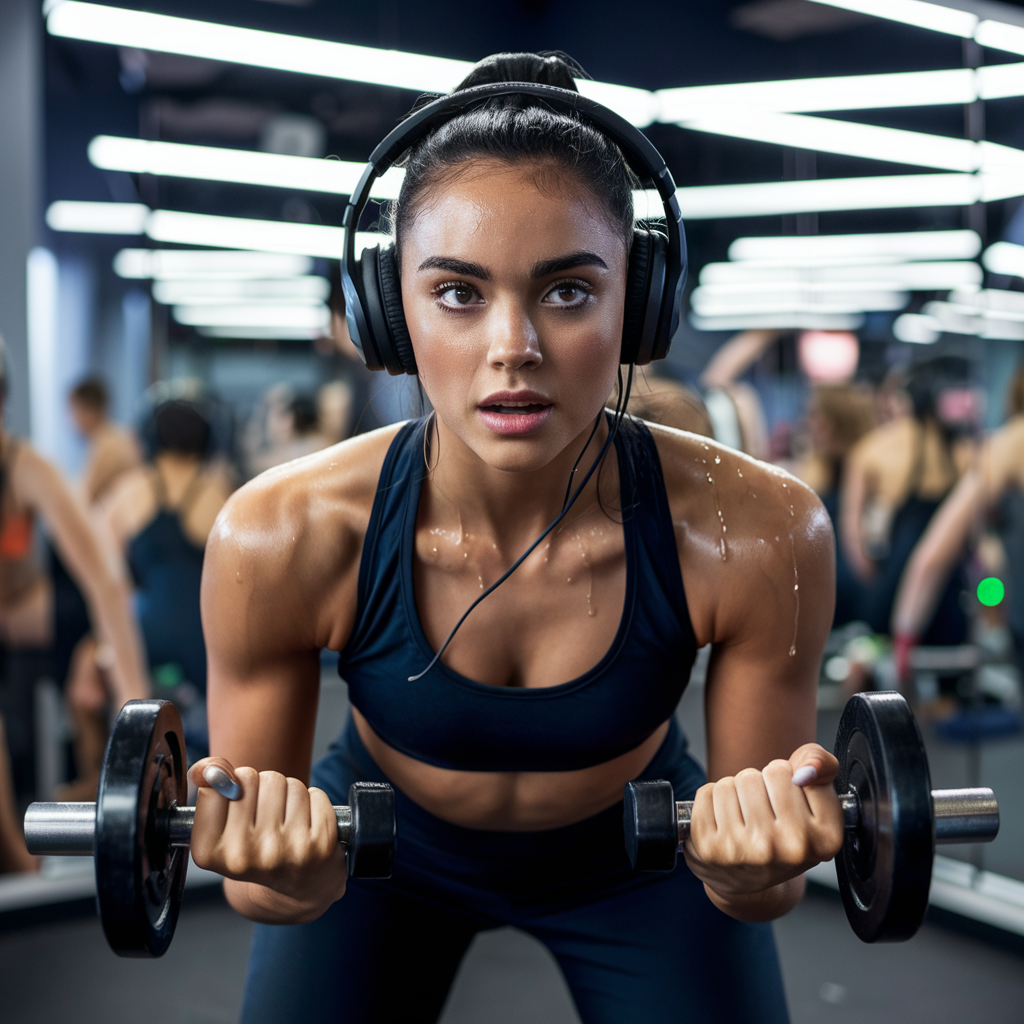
x: 620, y: 412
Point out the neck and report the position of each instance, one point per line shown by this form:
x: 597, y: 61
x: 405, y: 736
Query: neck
x: 176, y: 462
x: 508, y: 507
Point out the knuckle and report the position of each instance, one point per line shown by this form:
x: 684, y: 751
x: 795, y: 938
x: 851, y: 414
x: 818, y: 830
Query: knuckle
x: 747, y: 775
x: 778, y: 767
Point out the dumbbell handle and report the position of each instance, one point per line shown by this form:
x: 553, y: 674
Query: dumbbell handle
x: 961, y: 815
x: 69, y: 829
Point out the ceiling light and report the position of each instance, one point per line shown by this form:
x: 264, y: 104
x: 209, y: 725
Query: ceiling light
x: 248, y: 315
x: 1001, y: 36
x: 707, y: 302
x: 177, y: 264
x: 97, y: 218
x: 415, y: 71
x: 957, y: 318
x: 242, y: 233
x: 792, y: 320
x: 1005, y: 258
x: 916, y: 328
x: 306, y: 290
x: 807, y: 95
x: 848, y: 138
x: 924, y: 276
x: 904, y: 245
x: 249, y: 333
x: 139, y: 156
x: 888, y: 192
x: 914, y: 12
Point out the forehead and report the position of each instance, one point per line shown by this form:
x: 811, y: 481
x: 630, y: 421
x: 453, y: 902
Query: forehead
x: 500, y: 214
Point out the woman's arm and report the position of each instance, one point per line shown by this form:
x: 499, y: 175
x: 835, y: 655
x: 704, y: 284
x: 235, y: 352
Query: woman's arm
x: 853, y: 497
x: 279, y: 583
x: 97, y: 571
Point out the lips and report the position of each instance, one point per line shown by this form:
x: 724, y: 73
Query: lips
x: 514, y: 413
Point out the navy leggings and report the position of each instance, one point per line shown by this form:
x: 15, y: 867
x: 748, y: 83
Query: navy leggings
x: 633, y: 946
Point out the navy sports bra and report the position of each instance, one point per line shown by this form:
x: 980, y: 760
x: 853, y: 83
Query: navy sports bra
x: 450, y: 721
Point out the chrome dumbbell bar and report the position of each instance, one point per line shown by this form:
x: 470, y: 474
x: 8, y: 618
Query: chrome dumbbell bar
x: 69, y: 829
x: 961, y: 815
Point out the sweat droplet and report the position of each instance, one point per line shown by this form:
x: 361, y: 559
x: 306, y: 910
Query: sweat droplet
x: 739, y: 474
x: 796, y: 594
x: 435, y: 551
x: 718, y: 459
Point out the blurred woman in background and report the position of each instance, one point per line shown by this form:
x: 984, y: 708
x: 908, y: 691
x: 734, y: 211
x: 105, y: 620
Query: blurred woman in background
x: 160, y: 515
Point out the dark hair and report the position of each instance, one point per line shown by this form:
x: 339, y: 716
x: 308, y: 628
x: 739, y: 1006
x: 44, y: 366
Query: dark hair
x: 92, y: 393
x: 180, y: 428
x: 305, y: 417
x: 1015, y: 394
x: 515, y: 130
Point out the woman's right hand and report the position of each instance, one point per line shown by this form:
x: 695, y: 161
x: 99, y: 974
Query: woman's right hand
x: 278, y: 833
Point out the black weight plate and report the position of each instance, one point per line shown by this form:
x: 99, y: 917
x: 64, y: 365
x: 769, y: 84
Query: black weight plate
x: 370, y: 852
x: 139, y: 877
x: 650, y: 825
x: 885, y: 865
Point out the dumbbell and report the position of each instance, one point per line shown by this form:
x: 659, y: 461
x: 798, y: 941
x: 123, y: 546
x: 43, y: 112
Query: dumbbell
x: 139, y: 832
x: 893, y: 819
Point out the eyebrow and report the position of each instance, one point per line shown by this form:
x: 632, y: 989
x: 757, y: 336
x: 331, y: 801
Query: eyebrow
x: 544, y: 268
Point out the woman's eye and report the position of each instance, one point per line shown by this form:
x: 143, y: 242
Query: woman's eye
x: 567, y: 294
x: 457, y: 295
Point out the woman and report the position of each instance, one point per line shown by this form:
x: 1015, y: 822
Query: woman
x: 33, y: 490
x: 509, y: 756
x: 896, y: 477
x: 996, y: 483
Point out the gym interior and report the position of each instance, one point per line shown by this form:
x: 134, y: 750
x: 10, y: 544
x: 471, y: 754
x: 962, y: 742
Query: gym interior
x: 182, y: 315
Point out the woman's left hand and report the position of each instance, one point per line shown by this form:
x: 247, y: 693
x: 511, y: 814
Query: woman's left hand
x: 757, y: 829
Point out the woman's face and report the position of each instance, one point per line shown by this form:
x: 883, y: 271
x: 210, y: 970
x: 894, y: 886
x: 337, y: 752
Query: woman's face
x: 514, y: 298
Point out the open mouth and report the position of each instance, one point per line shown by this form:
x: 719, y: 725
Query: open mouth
x: 516, y: 409
x: 514, y: 414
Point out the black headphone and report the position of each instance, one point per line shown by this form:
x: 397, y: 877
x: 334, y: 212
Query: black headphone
x: 657, y: 259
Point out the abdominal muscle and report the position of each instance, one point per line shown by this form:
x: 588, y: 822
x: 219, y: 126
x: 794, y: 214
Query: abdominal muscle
x: 510, y: 801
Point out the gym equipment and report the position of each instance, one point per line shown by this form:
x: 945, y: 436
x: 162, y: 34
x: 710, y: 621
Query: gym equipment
x: 139, y: 832
x: 893, y: 819
x: 657, y: 257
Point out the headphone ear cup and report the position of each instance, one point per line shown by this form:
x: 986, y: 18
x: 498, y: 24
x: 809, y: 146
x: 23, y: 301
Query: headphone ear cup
x: 391, y: 299
x: 637, y: 276
x: 655, y: 336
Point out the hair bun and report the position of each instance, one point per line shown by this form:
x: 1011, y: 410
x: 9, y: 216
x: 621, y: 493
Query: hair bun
x: 549, y: 67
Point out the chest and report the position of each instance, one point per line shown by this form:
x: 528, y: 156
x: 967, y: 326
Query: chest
x: 550, y: 622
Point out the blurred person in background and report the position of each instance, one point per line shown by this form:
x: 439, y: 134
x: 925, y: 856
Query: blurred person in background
x: 661, y: 400
x: 896, y: 477
x: 839, y: 415
x: 995, y: 484
x: 113, y: 449
x: 160, y: 514
x: 292, y: 429
x: 32, y: 490
x: 335, y: 411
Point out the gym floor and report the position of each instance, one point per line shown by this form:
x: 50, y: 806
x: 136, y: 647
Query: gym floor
x: 63, y: 971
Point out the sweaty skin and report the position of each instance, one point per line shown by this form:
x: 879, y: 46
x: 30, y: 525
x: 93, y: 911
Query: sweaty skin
x: 513, y: 280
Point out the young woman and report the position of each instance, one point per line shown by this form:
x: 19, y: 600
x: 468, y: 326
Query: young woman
x: 509, y: 756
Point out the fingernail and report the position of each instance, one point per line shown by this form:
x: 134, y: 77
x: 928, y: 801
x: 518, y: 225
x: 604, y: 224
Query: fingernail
x: 805, y: 776
x: 219, y: 780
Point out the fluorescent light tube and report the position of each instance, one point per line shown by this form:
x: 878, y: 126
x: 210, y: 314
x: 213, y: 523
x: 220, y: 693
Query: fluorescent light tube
x: 248, y: 315
x: 307, y: 290
x: 211, y: 265
x: 1001, y: 36
x: 808, y: 95
x: 782, y: 321
x: 242, y: 233
x: 904, y: 245
x: 848, y: 138
x: 778, y: 197
x: 916, y: 328
x: 416, y: 71
x: 808, y: 300
x: 209, y: 163
x: 930, y: 276
x: 935, y: 17
x: 262, y: 333
x: 1005, y: 258
x: 959, y: 319
x: 97, y: 218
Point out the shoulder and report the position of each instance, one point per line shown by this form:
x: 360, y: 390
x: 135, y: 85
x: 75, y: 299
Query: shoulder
x: 1006, y: 465
x: 879, y: 441
x: 743, y: 528
x: 294, y: 534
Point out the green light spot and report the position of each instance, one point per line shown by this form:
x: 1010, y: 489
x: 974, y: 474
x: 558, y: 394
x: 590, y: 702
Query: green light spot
x: 991, y: 591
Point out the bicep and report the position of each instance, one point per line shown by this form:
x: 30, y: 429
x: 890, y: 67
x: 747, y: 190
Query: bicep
x: 761, y: 694
x: 263, y: 672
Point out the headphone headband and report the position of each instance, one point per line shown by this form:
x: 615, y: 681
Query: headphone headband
x: 641, y: 155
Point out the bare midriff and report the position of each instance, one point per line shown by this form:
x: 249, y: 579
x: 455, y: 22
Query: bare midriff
x: 510, y: 801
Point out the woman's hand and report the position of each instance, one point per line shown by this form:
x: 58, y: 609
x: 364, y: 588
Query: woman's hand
x: 755, y: 830
x: 274, y: 831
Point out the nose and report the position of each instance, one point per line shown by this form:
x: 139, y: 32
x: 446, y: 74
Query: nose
x: 513, y: 343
